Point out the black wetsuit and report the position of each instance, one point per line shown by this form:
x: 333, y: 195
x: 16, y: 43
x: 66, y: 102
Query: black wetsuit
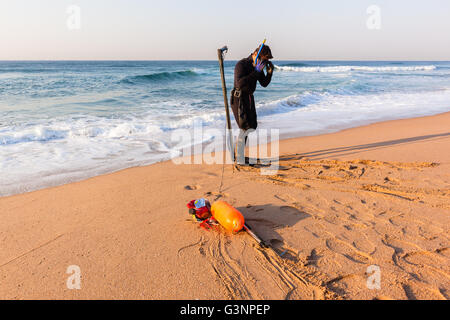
x: 242, y: 100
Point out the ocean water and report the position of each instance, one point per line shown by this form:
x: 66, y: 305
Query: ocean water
x: 64, y: 121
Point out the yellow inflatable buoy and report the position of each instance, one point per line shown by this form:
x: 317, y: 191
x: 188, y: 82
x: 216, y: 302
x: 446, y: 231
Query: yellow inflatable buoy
x: 229, y: 217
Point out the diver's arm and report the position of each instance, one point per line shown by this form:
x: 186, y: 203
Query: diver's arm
x: 264, y: 80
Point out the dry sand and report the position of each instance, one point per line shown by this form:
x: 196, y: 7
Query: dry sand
x: 373, y: 195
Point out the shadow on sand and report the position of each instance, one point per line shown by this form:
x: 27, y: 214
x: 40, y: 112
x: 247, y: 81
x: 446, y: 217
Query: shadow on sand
x: 341, y: 151
x: 266, y: 219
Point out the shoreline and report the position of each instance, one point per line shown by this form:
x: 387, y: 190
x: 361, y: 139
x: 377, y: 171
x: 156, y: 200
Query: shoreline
x: 285, y: 138
x: 371, y: 195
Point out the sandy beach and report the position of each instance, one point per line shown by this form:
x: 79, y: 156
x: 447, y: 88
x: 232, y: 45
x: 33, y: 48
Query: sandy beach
x: 376, y: 195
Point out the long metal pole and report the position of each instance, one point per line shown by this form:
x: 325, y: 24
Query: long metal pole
x: 225, y: 99
x: 254, y: 236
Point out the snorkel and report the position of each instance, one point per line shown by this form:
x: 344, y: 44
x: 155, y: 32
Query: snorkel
x: 257, y: 56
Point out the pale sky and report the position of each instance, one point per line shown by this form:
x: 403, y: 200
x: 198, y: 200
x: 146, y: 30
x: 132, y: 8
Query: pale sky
x: 194, y: 29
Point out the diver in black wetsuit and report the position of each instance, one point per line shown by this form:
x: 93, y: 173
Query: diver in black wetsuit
x: 246, y: 73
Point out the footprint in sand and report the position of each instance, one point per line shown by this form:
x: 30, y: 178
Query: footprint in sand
x: 383, y: 228
x: 348, y: 251
x: 192, y: 187
x: 285, y: 197
x: 400, y: 246
x: 335, y: 218
x: 401, y: 220
x: 419, y: 291
x: 255, y: 209
x: 424, y: 258
x: 425, y: 266
x: 211, y: 174
x: 313, y: 258
x: 445, y: 252
x: 341, y: 284
x: 353, y: 212
x: 429, y: 231
x: 317, y: 230
x: 359, y: 241
x: 284, y: 250
x: 364, y: 245
x: 289, y: 209
x: 295, y: 212
x: 217, y: 194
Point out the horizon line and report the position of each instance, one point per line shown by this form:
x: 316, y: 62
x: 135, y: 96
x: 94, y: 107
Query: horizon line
x: 169, y: 60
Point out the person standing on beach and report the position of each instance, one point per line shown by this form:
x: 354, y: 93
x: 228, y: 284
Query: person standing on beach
x: 247, y: 73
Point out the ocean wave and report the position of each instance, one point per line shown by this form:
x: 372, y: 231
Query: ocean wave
x: 315, y: 113
x: 355, y: 68
x: 37, y: 134
x: 93, y: 129
x: 18, y: 70
x: 85, y: 128
x: 161, y: 76
x: 294, y: 64
x: 290, y: 103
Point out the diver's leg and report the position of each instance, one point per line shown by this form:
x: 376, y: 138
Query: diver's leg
x: 240, y: 146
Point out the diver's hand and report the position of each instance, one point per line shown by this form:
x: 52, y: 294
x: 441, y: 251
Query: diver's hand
x: 270, y: 67
x: 260, y: 66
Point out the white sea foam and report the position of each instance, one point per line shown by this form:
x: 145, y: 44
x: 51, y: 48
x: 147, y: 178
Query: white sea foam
x: 336, y: 69
x: 329, y: 112
x: 60, y: 150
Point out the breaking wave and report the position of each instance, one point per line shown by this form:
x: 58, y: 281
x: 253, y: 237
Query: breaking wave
x: 354, y: 68
x: 161, y: 76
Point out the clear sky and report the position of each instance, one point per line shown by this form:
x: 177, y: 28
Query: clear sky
x: 194, y: 29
